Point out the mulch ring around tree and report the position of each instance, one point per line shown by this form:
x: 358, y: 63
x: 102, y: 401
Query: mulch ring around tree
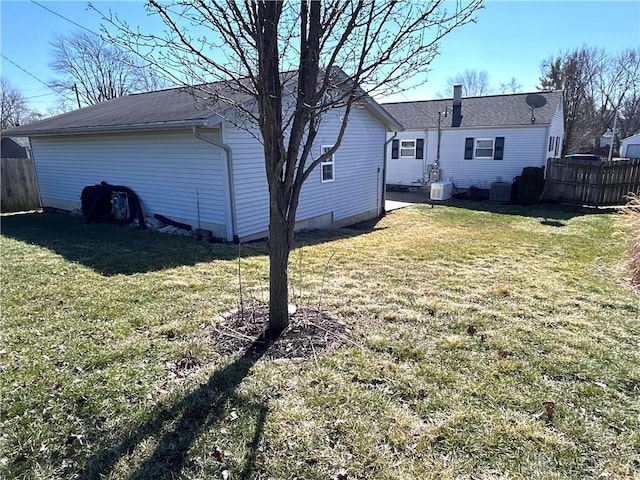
x: 311, y: 333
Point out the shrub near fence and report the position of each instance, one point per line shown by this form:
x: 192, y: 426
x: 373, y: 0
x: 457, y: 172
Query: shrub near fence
x: 19, y: 185
x: 592, y: 183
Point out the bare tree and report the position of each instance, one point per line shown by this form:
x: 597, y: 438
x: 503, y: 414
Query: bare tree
x: 94, y: 70
x: 596, y: 85
x: 629, y: 115
x: 615, y: 88
x: 285, y: 65
x: 474, y: 84
x: 571, y: 72
x: 512, y: 86
x: 14, y: 109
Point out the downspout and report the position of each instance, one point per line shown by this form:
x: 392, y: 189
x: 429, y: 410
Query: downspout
x: 228, y: 165
x: 436, y: 165
x: 437, y: 162
x: 384, y: 175
x: 35, y: 171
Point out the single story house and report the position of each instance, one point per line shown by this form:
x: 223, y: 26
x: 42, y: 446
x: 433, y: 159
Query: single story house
x: 630, y: 146
x: 473, y: 141
x: 191, y: 164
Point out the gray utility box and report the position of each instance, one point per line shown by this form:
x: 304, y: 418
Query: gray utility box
x: 500, y: 192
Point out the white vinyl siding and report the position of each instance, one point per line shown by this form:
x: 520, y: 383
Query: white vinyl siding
x: 357, y: 187
x: 523, y: 147
x: 356, y: 190
x: 556, y: 134
x: 163, y: 168
x: 249, y: 180
x: 405, y: 171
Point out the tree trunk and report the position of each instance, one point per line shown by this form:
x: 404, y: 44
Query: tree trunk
x: 279, y: 249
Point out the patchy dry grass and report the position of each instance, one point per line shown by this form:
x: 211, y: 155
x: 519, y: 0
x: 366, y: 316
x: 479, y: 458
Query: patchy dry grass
x: 632, y: 210
x: 464, y: 322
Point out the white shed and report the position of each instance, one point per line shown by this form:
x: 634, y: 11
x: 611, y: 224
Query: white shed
x: 193, y: 166
x: 630, y: 146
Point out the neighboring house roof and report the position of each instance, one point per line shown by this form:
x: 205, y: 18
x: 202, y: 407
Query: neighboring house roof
x: 163, y: 108
x: 15, y: 147
x: 487, y: 111
x: 635, y: 135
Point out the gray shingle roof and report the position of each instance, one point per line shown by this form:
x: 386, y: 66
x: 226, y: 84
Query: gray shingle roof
x: 176, y: 106
x: 488, y: 111
x: 170, y: 106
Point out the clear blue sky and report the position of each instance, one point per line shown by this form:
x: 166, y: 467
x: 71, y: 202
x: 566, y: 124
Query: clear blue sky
x: 509, y: 39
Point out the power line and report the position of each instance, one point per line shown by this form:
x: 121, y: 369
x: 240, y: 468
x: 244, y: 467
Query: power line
x: 25, y: 71
x: 65, y: 18
x: 32, y: 75
x: 42, y: 95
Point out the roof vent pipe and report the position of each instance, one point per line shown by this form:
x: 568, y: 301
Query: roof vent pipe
x: 456, y: 117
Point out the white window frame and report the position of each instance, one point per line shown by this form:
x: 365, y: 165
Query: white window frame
x: 556, y: 149
x: 327, y: 162
x: 412, y: 148
x: 476, y: 148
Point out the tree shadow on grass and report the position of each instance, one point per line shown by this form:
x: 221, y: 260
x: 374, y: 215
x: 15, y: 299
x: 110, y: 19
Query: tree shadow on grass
x: 117, y: 250
x: 176, y: 427
x: 550, y: 213
x: 553, y: 215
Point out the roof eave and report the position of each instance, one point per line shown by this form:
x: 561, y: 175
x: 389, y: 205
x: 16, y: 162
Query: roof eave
x: 383, y: 115
x: 25, y: 132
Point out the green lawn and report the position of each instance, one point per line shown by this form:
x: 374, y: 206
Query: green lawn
x: 464, y: 321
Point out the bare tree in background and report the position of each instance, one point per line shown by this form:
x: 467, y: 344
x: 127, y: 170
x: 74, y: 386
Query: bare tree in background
x: 14, y: 110
x: 615, y: 88
x: 571, y: 73
x: 285, y: 65
x: 596, y: 84
x: 474, y: 84
x: 512, y: 86
x: 93, y: 70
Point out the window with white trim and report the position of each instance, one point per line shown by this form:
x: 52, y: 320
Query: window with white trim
x: 326, y: 166
x: 557, y: 147
x: 408, y: 149
x: 484, y: 148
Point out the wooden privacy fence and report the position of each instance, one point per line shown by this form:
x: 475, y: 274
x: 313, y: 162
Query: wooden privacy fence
x: 592, y: 183
x: 19, y: 185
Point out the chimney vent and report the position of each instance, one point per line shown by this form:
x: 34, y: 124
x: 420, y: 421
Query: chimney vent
x: 456, y: 117
x: 457, y: 94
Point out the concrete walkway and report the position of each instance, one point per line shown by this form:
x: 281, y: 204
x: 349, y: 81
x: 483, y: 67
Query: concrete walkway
x: 396, y: 200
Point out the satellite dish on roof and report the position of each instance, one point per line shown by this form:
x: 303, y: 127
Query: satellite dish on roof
x: 535, y: 100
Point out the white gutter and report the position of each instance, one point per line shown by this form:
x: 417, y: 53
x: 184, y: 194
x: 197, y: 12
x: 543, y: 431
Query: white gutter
x: 100, y: 129
x: 232, y: 234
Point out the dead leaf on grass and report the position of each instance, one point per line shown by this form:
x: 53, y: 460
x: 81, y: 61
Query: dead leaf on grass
x: 549, y: 410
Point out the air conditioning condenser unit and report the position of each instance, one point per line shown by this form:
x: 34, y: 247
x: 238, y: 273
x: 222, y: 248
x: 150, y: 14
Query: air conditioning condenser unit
x: 441, y: 190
